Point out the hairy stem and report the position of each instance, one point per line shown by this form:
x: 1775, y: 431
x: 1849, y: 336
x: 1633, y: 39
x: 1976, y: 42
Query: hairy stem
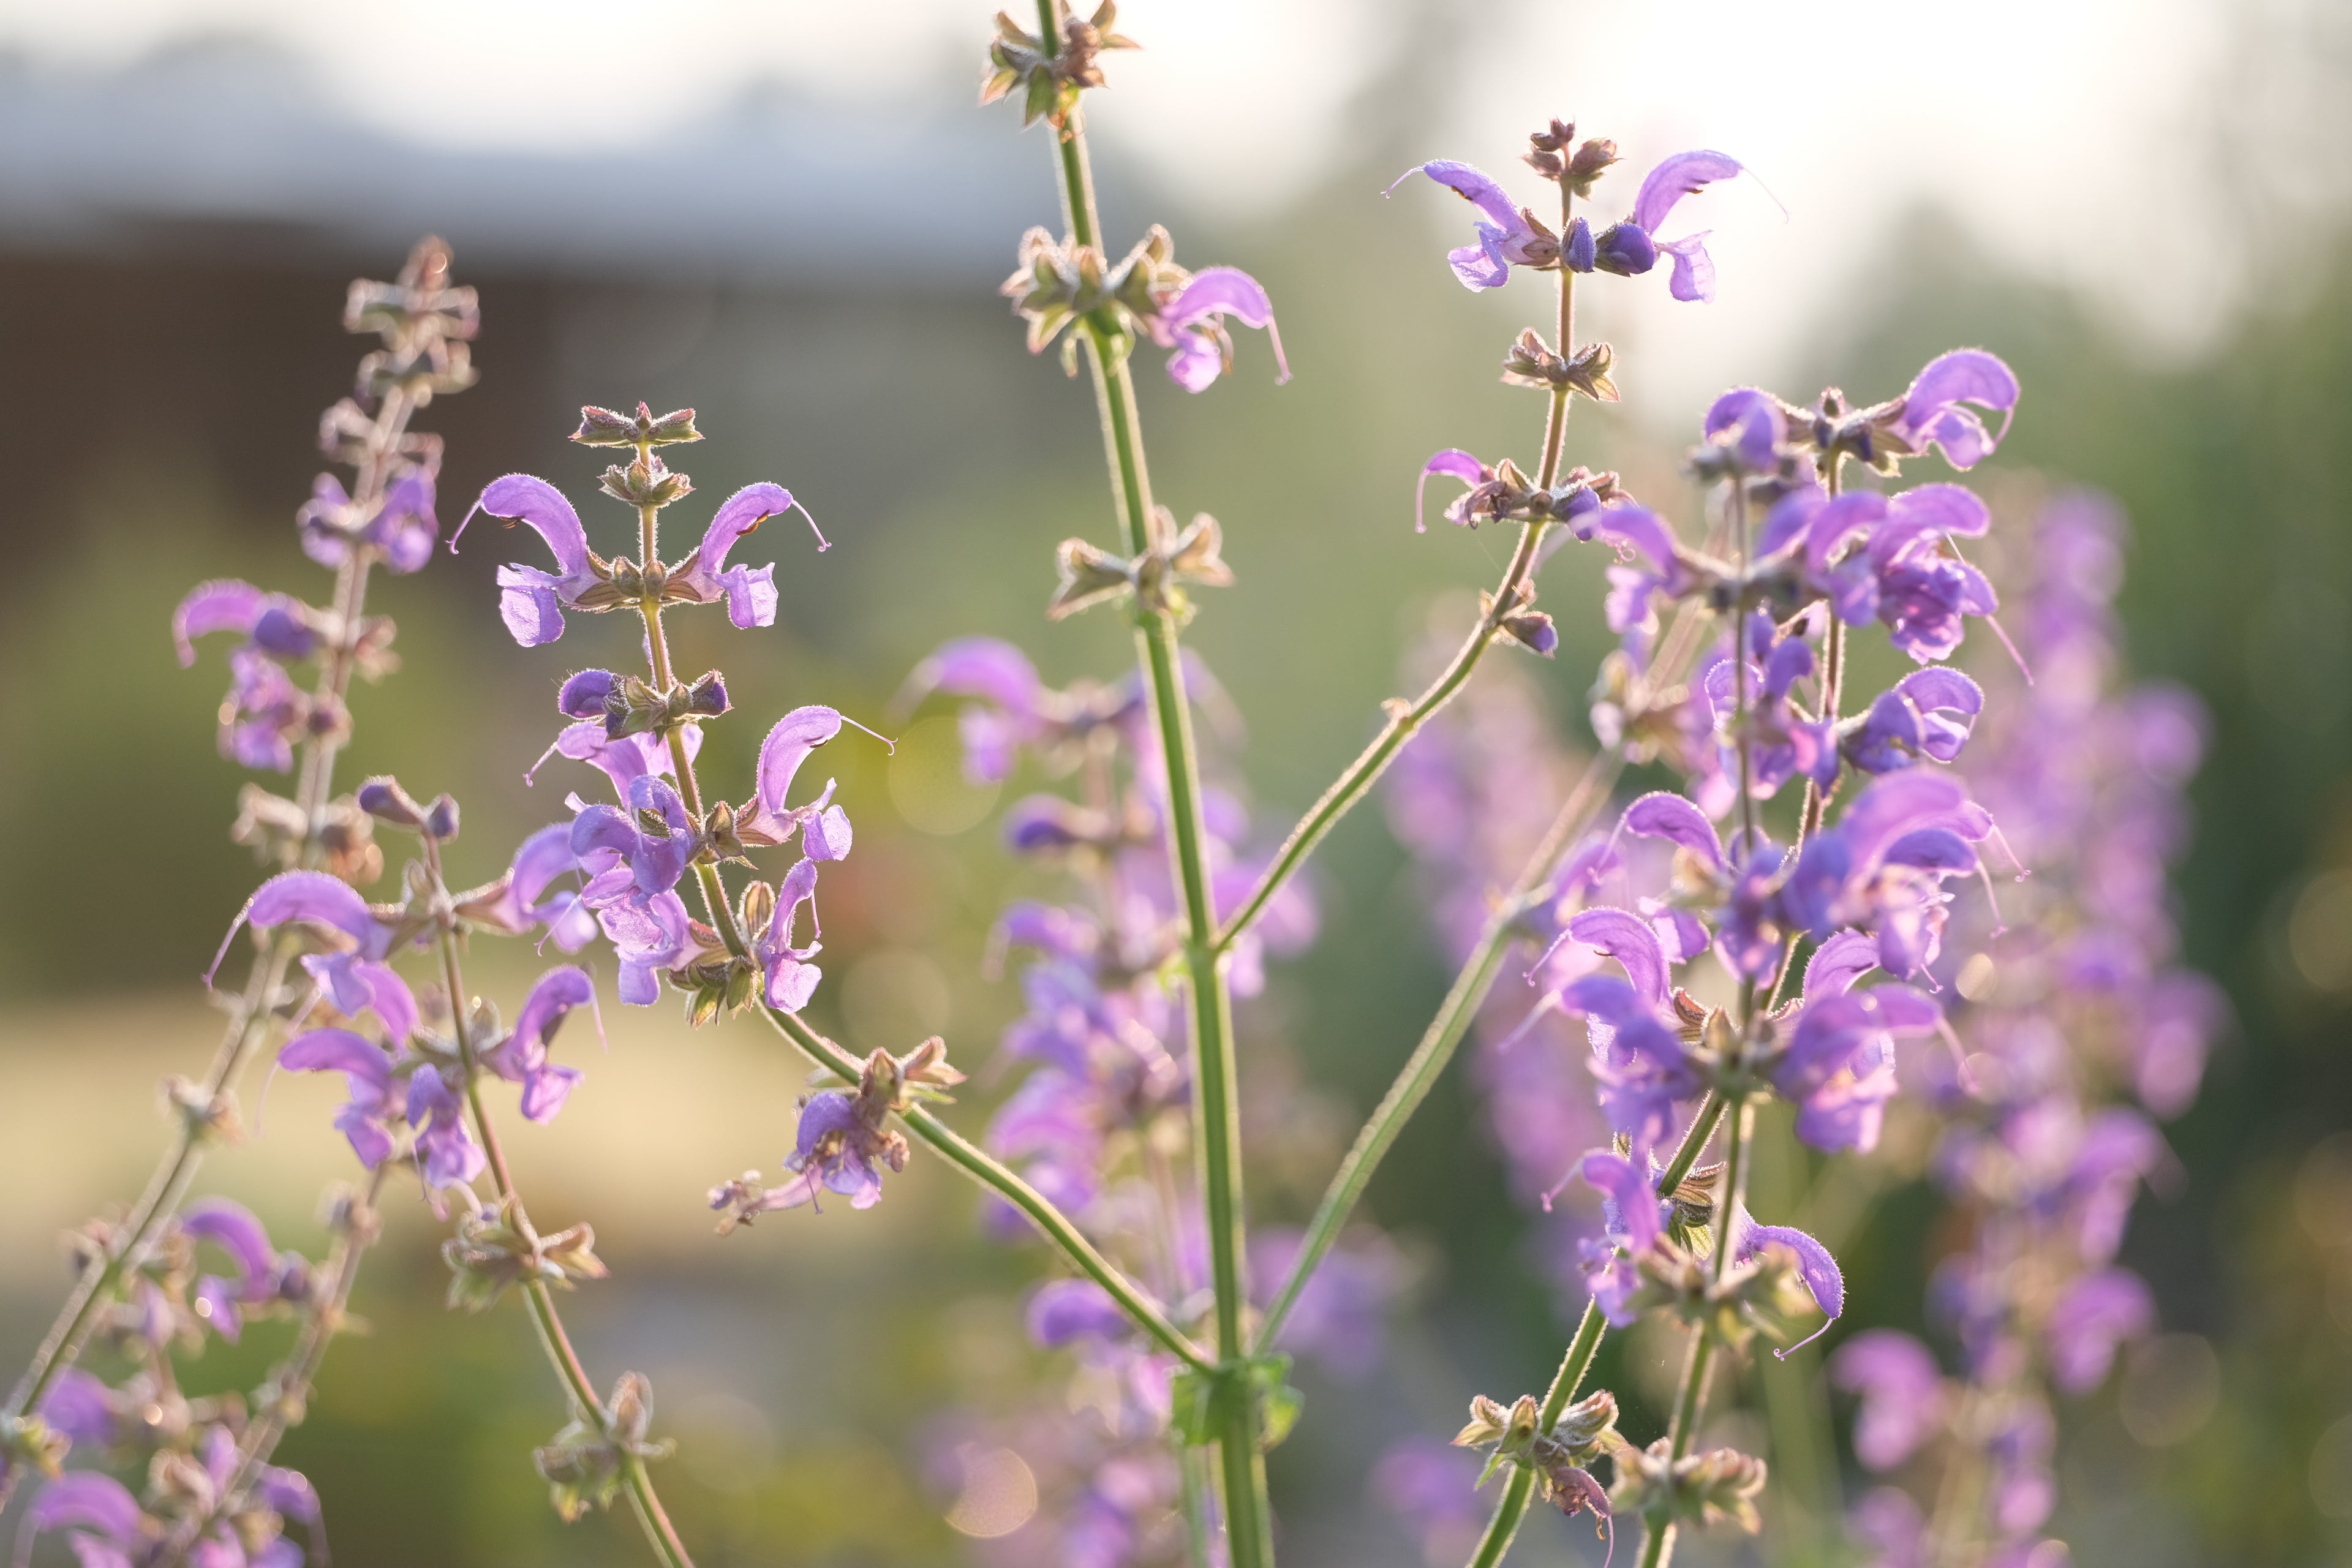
x: 659, y: 1533
x: 1513, y: 1505
x: 1216, y: 1119
x: 250, y: 1019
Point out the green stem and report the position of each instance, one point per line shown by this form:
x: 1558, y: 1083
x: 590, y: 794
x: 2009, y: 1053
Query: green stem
x: 652, y: 1518
x: 1438, y: 1043
x: 981, y: 1167
x: 1216, y: 1119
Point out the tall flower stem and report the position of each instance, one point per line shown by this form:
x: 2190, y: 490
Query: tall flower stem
x: 1405, y: 720
x: 254, y: 1008
x: 660, y: 1534
x: 1658, y: 1537
x: 1215, y: 1110
x: 1478, y: 971
x: 1521, y: 1490
x: 1413, y: 1082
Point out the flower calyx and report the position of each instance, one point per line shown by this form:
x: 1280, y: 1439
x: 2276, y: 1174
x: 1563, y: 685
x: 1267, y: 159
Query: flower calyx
x: 1534, y: 363
x: 1721, y: 1484
x: 605, y: 427
x: 1585, y: 1432
x: 1091, y: 576
x: 30, y: 1443
x: 278, y: 829
x: 1059, y: 281
x: 645, y: 482
x: 1530, y: 628
x: 583, y: 1467
x: 424, y: 322
x: 209, y: 1115
x: 1050, y: 80
x: 496, y: 1247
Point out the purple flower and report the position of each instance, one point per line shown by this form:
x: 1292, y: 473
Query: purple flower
x: 1193, y: 323
x: 836, y: 1151
x: 648, y: 937
x: 1907, y: 573
x: 366, y: 1118
x: 401, y: 530
x: 766, y: 819
x: 522, y: 1056
x: 520, y: 901
x: 1928, y: 713
x: 105, y: 1522
x: 532, y: 601
x: 624, y: 761
x: 1838, y: 1066
x: 80, y: 1408
x: 1632, y: 247
x: 265, y: 712
x: 1935, y: 412
x: 637, y: 854
x: 1508, y: 234
x: 1020, y: 710
x: 2097, y: 1313
x: 1632, y: 1221
x: 1453, y: 463
x: 274, y: 624
x: 1782, y: 744
x: 317, y: 900
x: 1903, y: 1394
x: 446, y: 1152
x: 751, y: 595
x: 1883, y: 865
x: 792, y: 979
x: 255, y: 1263
x: 1815, y: 1267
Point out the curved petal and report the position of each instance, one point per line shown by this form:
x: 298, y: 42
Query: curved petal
x: 530, y: 603
x: 1815, y: 1267
x: 360, y: 1061
x: 788, y: 745
x: 1626, y: 937
x: 1629, y: 1192
x: 1472, y: 186
x: 1635, y: 527
x: 1838, y: 962
x: 1664, y: 814
x: 523, y: 497
x: 223, y: 605
x: 738, y: 515
x: 979, y: 667
x: 1684, y: 173
x: 1754, y: 423
x: 233, y: 1228
x: 1063, y: 1311
x: 557, y: 992
x: 86, y: 1499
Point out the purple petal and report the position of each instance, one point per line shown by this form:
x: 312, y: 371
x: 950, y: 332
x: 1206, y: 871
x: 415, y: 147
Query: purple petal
x: 1662, y: 815
x: 2097, y: 1313
x: 1694, y: 276
x: 88, y: 1500
x: 1814, y: 1265
x: 788, y: 745
x: 736, y: 517
x: 1839, y: 520
x: 233, y: 1228
x: 525, y: 498
x: 1788, y: 520
x: 1629, y: 1191
x: 1838, y: 962
x: 77, y: 1406
x: 1638, y: 528
x: 980, y: 667
x: 530, y: 603
x: 223, y: 605
x: 1964, y: 375
x: 1683, y: 175
x: 1472, y: 187
x: 1627, y: 938
x: 1902, y: 1395
x: 584, y: 695
x: 1454, y: 463
x: 1756, y: 424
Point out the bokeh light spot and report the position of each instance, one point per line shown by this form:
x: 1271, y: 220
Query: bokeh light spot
x: 999, y: 1494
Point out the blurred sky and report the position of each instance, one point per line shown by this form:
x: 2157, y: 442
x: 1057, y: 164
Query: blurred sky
x: 2075, y: 140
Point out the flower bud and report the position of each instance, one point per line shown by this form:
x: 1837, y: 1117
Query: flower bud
x: 383, y: 798
x: 1591, y: 159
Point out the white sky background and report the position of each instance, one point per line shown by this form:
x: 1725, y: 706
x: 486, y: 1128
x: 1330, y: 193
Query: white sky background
x: 2071, y: 138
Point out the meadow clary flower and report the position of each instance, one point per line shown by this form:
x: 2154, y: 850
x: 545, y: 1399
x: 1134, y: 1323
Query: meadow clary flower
x: 105, y: 1525
x: 1632, y: 1221
x: 521, y: 1057
x: 317, y: 900
x: 401, y: 530
x: 1193, y: 323
x: 1935, y: 410
x: 2097, y: 1313
x: 532, y: 601
x: 1631, y: 248
x: 1819, y: 1271
x: 257, y: 1272
x: 1639, y: 1060
x: 1508, y: 234
x: 367, y: 1118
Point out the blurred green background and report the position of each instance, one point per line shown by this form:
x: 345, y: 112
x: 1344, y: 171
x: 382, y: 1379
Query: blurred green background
x: 166, y: 355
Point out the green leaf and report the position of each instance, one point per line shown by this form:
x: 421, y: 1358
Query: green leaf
x: 1192, y: 1401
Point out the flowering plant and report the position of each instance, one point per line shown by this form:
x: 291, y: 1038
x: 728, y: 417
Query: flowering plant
x: 1781, y: 929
